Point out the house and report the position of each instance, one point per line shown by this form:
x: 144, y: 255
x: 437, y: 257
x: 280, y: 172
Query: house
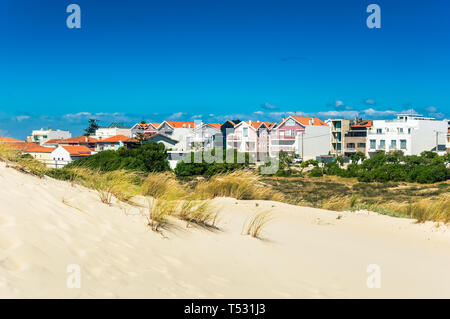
x: 355, y: 138
x: 228, y: 128
x: 38, y: 152
x: 63, y: 155
x: 251, y: 137
x: 87, y: 141
x: 113, y: 143
x: 113, y: 129
x: 144, y: 128
x: 161, y: 138
x: 179, y: 131
x: 304, y: 136
x: 338, y: 128
x: 410, y: 133
x: 44, y: 134
x: 205, y: 136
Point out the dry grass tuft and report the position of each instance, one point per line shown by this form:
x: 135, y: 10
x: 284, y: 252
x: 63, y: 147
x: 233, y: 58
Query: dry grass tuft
x: 254, y: 225
x: 159, y: 211
x: 238, y: 184
x: 162, y: 185
x: 198, y: 212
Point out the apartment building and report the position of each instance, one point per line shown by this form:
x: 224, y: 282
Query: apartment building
x: 410, y: 133
x: 44, y: 134
x: 338, y: 128
x: 355, y: 140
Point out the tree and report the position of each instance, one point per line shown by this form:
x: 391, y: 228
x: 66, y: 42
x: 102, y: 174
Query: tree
x: 92, y: 128
x: 140, y: 137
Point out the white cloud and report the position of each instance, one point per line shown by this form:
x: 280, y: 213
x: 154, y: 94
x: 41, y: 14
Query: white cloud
x: 176, y: 116
x: 369, y: 101
x: 259, y: 112
x: 431, y: 109
x: 77, y: 116
x: 373, y: 112
x: 346, y: 114
x: 21, y: 118
x: 199, y: 116
x: 339, y: 103
x: 268, y: 106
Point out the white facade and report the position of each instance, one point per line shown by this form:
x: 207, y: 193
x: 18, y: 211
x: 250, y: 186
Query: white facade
x: 409, y: 133
x: 107, y: 132
x: 179, y: 134
x: 204, y: 137
x: 43, y: 135
x: 316, y: 142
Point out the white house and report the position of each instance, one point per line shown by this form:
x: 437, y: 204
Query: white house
x: 44, y: 134
x: 63, y: 155
x: 410, y: 133
x: 112, y: 143
x: 107, y: 132
x: 205, y: 136
x: 179, y: 131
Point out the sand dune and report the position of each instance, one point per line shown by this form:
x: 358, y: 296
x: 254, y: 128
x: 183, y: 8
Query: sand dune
x: 46, y: 225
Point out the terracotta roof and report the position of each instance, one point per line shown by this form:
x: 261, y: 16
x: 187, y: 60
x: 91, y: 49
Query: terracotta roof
x: 10, y: 140
x: 53, y: 141
x: 215, y: 125
x: 78, y: 140
x: 364, y: 124
x: 146, y: 125
x: 180, y: 124
x: 305, y: 120
x: 77, y: 150
x: 115, y: 139
x: 34, y: 148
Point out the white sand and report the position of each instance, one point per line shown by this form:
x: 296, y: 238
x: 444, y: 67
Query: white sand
x: 306, y: 252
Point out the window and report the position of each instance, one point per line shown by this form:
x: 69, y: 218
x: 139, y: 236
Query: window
x: 382, y: 144
x: 393, y: 144
x: 403, y: 144
x: 373, y: 144
x: 245, y: 132
x: 291, y: 132
x: 379, y: 131
x: 350, y: 145
x: 362, y: 145
x: 400, y: 129
x: 409, y: 131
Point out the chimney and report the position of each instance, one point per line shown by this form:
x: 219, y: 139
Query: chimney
x: 250, y: 122
x: 310, y: 121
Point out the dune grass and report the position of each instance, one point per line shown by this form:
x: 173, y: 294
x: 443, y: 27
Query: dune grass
x: 162, y: 185
x: 255, y: 224
x: 199, y: 212
x: 159, y: 211
x: 242, y: 184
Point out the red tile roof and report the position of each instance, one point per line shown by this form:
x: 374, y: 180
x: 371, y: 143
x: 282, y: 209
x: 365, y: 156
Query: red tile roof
x: 77, y: 150
x: 305, y: 120
x: 53, y: 141
x: 33, y: 148
x: 215, y: 125
x: 181, y: 124
x: 115, y: 139
x: 78, y: 140
x: 364, y: 124
x: 10, y: 140
x: 257, y: 124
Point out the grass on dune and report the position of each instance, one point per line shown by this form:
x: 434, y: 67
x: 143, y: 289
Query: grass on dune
x: 162, y: 185
x: 255, y: 224
x: 238, y: 184
x: 199, y: 212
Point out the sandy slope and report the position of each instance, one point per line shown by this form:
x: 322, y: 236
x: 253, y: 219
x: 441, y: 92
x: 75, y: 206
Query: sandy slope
x: 307, y: 252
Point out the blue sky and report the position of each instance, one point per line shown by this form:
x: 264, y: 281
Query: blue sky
x: 215, y: 59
